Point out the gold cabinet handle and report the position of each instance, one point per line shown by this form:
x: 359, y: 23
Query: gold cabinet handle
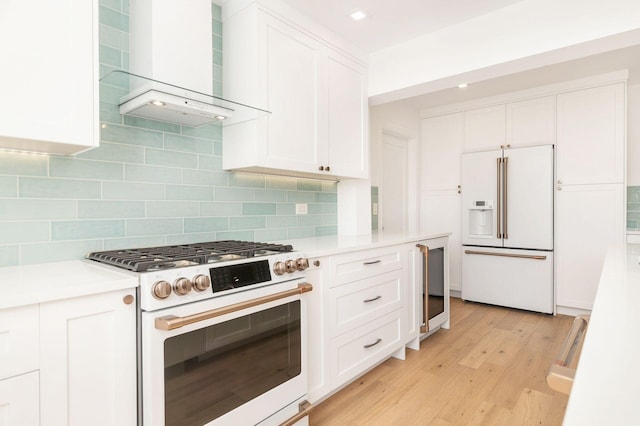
x: 505, y: 233
x: 128, y: 299
x: 425, y: 287
x: 171, y: 322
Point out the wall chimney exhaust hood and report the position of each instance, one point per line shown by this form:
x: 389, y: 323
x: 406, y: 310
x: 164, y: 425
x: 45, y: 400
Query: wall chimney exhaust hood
x: 171, y: 66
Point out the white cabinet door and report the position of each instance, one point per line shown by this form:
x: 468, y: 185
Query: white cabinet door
x: 531, y: 122
x: 293, y: 95
x: 440, y: 212
x: 440, y: 154
x: 347, y: 141
x: 591, y: 135
x: 49, y: 82
x: 589, y: 219
x: 484, y: 128
x: 88, y: 363
x: 19, y: 398
x: 19, y: 344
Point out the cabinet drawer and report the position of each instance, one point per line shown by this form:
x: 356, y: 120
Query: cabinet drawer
x: 363, y: 264
x: 363, y: 348
x: 19, y: 400
x: 360, y: 302
x: 19, y: 340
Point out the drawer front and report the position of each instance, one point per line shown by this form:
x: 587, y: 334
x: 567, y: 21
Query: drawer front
x: 363, y: 348
x: 367, y: 263
x: 360, y: 302
x: 19, y: 340
x: 19, y: 400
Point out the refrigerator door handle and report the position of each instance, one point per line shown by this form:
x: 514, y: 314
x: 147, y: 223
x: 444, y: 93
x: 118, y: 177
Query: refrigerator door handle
x: 505, y: 181
x: 521, y: 256
x: 498, y: 228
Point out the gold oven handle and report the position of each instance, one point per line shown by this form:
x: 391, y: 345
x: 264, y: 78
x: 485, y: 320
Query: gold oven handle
x: 171, y: 322
x: 304, y: 408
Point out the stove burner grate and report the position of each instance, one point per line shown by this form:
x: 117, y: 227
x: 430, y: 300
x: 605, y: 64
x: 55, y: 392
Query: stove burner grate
x: 155, y: 258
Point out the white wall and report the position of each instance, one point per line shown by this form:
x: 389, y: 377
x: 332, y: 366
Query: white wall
x: 522, y: 30
x: 633, y: 135
x: 404, y: 121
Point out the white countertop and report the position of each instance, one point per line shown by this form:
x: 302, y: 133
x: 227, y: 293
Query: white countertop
x: 335, y: 244
x: 46, y: 282
x: 606, y: 389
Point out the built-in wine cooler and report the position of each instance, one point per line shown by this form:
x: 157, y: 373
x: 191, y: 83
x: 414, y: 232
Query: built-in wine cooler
x: 432, y: 272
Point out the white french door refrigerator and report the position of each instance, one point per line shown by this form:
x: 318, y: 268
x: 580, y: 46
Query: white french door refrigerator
x: 507, y: 227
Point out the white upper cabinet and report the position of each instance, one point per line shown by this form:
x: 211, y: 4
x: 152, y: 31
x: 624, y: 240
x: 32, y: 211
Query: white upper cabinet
x: 49, y: 84
x: 484, y: 128
x: 316, y: 95
x: 531, y: 122
x: 591, y: 136
x: 440, y: 154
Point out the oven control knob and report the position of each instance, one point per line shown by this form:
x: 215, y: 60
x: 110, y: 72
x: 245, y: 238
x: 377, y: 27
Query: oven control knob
x: 161, y: 290
x: 182, y: 286
x: 201, y: 282
x: 279, y: 268
x: 291, y: 265
x: 302, y: 263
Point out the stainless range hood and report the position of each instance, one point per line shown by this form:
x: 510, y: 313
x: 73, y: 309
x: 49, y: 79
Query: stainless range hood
x: 171, y: 63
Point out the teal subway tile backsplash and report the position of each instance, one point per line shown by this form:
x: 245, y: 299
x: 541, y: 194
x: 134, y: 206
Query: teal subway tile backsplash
x: 149, y: 183
x: 21, y: 232
x: 633, y: 208
x: 86, y: 229
x: 8, y: 186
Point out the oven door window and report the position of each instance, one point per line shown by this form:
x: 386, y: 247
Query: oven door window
x: 211, y: 371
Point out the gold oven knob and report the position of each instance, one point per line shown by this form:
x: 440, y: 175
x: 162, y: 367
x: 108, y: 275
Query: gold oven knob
x: 291, y: 265
x: 161, y: 290
x: 302, y: 263
x: 182, y: 286
x: 201, y: 282
x: 279, y: 268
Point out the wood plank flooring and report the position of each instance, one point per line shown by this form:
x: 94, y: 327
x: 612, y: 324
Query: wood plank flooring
x: 488, y: 369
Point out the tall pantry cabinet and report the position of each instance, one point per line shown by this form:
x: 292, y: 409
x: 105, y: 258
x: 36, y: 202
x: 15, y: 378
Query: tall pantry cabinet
x: 589, y: 188
x: 585, y: 121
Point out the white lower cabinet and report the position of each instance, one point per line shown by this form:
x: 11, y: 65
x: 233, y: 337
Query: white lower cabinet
x: 19, y: 397
x: 88, y: 360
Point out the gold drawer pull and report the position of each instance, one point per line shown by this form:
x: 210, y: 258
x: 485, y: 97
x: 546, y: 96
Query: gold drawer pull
x: 304, y: 408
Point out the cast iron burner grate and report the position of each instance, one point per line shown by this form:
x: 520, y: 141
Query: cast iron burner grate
x: 166, y: 257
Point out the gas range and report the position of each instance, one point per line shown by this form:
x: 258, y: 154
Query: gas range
x: 179, y: 274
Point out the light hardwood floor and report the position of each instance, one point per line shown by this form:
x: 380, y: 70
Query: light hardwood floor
x: 488, y: 369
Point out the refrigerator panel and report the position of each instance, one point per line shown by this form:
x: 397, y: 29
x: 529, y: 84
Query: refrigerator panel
x: 528, y: 200
x: 521, y: 279
x: 480, y: 198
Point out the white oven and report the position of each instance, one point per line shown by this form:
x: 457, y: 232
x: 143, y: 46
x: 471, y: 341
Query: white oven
x: 222, y: 333
x: 227, y: 361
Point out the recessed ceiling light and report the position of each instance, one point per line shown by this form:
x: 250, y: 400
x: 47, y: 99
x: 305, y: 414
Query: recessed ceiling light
x: 157, y: 103
x: 462, y: 85
x: 358, y: 15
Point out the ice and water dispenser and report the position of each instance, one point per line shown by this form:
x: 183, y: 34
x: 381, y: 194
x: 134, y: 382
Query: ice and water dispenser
x: 481, y: 218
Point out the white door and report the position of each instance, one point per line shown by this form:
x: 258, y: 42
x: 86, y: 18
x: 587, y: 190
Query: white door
x: 394, y: 177
x: 528, y: 203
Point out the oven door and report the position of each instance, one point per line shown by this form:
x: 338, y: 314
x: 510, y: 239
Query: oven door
x: 236, y: 359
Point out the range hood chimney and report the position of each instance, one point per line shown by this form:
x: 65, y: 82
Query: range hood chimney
x: 171, y: 63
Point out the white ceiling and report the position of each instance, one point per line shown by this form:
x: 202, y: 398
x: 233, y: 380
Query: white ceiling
x: 391, y: 22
